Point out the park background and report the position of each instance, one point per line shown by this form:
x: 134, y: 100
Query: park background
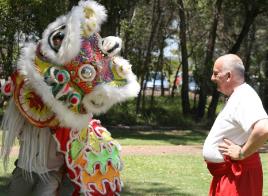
x: 172, y: 45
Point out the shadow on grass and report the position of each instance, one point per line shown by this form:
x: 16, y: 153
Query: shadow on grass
x: 134, y: 189
x: 172, y: 136
x: 4, y: 180
x: 129, y: 189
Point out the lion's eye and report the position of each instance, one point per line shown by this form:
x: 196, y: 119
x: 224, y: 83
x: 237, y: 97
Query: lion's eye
x: 87, y: 72
x: 56, y: 37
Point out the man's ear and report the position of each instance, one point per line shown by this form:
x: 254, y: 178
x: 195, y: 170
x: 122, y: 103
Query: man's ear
x: 229, y: 75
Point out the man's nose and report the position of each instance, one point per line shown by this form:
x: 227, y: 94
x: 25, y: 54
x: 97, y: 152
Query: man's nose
x: 212, y: 78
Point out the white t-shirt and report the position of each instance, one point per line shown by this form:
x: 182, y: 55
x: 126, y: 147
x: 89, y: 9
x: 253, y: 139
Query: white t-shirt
x: 234, y: 122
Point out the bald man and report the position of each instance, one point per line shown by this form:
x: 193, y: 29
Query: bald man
x: 230, y: 149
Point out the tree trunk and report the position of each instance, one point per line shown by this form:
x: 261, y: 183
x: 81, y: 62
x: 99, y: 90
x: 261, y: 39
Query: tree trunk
x: 265, y: 90
x: 251, y: 14
x: 249, y: 44
x: 184, y: 57
x: 154, y: 23
x: 127, y: 35
x: 160, y: 64
x: 138, y: 100
x: 206, y: 72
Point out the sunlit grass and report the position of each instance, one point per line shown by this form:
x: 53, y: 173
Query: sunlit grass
x: 165, y: 175
x: 171, y: 175
x: 158, y: 174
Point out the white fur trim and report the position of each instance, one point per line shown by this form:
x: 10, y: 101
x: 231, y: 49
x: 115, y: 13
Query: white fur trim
x: 10, y: 129
x: 99, y: 13
x: 33, y: 141
x: 107, y: 43
x: 35, y: 80
x: 122, y: 66
x: 104, y: 96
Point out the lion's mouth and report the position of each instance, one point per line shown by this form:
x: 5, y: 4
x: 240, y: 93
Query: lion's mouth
x: 96, y: 104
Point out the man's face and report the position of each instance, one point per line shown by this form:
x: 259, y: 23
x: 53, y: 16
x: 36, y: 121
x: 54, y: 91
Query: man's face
x: 220, y: 77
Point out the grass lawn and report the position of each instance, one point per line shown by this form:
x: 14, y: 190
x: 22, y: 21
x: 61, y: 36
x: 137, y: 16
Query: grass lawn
x: 165, y: 175
x: 5, y: 176
x: 159, y: 174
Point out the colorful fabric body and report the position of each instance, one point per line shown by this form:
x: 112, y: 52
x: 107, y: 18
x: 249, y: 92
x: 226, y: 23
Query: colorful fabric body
x: 237, y: 178
x: 92, y: 157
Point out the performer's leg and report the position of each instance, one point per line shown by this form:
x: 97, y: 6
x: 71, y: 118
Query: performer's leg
x: 20, y: 184
x: 66, y: 187
x: 50, y: 186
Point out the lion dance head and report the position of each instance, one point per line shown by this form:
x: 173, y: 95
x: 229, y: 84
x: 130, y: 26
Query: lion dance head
x: 60, y: 82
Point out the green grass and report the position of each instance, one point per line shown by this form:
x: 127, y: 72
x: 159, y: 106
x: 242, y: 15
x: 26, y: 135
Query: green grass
x: 158, y: 137
x: 178, y: 175
x: 165, y: 175
x: 264, y: 158
x: 5, y: 176
x: 171, y: 175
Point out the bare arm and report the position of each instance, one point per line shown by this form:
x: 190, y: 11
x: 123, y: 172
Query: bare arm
x: 257, y: 138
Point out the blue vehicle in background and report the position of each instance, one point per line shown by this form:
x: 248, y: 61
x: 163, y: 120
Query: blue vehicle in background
x: 150, y: 83
x: 192, y: 85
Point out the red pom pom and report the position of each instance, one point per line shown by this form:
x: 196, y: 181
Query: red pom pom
x: 74, y: 100
x: 7, y: 88
x: 60, y: 77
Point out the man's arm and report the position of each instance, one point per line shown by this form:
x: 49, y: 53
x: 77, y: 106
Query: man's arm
x: 257, y: 138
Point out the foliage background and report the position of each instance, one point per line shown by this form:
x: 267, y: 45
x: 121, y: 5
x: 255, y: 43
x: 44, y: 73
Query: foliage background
x: 199, y: 31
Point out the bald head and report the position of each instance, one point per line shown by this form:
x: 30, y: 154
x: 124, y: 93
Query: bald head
x: 228, y: 73
x: 231, y: 62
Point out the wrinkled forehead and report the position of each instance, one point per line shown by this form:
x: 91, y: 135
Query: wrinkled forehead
x: 218, y: 65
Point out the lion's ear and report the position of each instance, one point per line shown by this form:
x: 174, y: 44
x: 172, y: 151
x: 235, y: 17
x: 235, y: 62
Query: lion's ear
x: 94, y: 15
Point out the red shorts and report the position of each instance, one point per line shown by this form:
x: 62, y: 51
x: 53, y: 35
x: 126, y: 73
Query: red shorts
x: 237, y: 178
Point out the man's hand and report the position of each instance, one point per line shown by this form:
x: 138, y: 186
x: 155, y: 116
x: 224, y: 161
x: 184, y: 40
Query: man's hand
x: 230, y: 149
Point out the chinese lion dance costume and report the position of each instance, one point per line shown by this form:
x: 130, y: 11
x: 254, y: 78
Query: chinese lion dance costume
x: 60, y: 82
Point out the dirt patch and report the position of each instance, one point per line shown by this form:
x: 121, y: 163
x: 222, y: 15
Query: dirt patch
x: 149, y: 150
x: 158, y: 150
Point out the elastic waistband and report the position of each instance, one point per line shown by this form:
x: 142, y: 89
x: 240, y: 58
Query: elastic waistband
x: 235, y: 167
